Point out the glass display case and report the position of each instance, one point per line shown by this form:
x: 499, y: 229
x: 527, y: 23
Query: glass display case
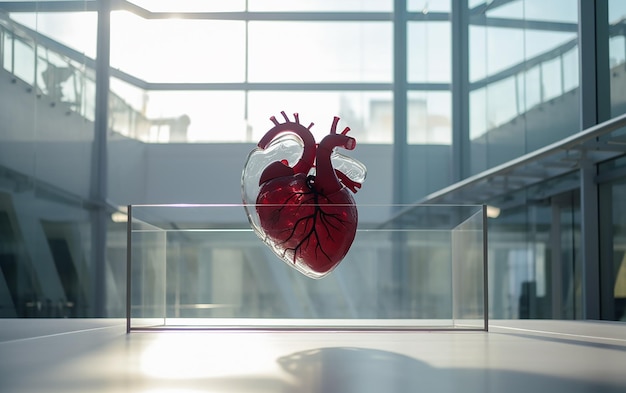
x: 409, y: 268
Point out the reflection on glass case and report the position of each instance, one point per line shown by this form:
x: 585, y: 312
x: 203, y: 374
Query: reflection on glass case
x: 409, y: 268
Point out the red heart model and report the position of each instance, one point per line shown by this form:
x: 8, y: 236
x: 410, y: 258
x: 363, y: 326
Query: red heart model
x: 306, y: 211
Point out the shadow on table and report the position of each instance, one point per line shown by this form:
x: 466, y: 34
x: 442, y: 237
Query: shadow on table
x: 365, y: 370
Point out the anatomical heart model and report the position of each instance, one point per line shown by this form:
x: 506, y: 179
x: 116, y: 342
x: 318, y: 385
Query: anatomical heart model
x: 298, y: 195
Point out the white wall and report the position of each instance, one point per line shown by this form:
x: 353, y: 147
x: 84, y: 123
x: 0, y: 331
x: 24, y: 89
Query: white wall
x: 211, y: 173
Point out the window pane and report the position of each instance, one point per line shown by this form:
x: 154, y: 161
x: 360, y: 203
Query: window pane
x: 184, y: 116
x: 320, y: 52
x: 498, y: 40
x: 617, y: 56
x: 59, y: 71
x: 320, y: 5
x: 429, y: 52
x: 539, y: 43
x: 24, y: 59
x: 178, y: 116
x: 175, y: 50
x: 215, y: 116
x: 551, y: 77
x: 510, y: 9
x: 552, y: 11
x: 62, y: 27
x: 478, y: 54
x: 426, y: 6
x: 532, y: 79
x: 7, y: 54
x: 523, y: 66
x: 478, y: 114
x: 537, y: 10
x: 501, y: 102
x: 46, y: 166
x: 570, y: 70
x: 504, y: 49
x: 430, y: 118
x: 613, y: 244
x: 368, y: 114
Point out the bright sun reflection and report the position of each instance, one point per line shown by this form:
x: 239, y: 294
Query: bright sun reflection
x: 201, y: 355
x: 173, y: 390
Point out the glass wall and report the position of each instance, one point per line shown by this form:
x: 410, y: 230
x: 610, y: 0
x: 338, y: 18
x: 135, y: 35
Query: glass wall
x: 524, y: 85
x: 326, y: 65
x: 612, y: 179
x: 196, y: 79
x: 46, y: 142
x: 232, y: 75
x: 523, y: 71
x: 535, y: 252
x: 536, y: 245
x: 613, y: 243
x: 617, y: 56
x: 208, y: 75
x: 429, y: 64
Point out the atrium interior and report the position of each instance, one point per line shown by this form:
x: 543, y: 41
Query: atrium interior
x: 512, y: 108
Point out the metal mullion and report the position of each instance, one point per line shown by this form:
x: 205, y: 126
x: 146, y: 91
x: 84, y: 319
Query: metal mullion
x: 35, y: 65
x: 246, y: 94
x: 49, y: 6
x: 268, y: 86
x: 282, y: 86
x: 99, y: 184
x: 427, y: 86
x: 562, y: 72
x: 588, y: 189
x: 460, y: 89
x: 314, y: 16
x: 3, y: 33
x: 428, y: 17
x: 510, y: 23
x: 129, y: 270
x: 279, y: 16
x: 400, y: 102
x: 13, y: 53
x: 401, y: 179
x: 603, y: 264
x: 593, y: 39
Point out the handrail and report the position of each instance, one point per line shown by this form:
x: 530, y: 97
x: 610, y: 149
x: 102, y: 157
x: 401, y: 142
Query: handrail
x: 576, y: 141
x: 572, y: 142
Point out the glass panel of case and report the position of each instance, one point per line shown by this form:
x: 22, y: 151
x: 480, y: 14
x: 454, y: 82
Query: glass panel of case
x: 202, y: 266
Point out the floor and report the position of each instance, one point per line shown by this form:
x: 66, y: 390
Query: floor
x: 514, y: 356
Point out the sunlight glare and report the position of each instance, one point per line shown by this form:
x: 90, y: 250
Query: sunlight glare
x: 206, y: 355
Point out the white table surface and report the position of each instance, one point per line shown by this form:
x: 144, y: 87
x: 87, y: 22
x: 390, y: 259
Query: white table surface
x: 514, y: 356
